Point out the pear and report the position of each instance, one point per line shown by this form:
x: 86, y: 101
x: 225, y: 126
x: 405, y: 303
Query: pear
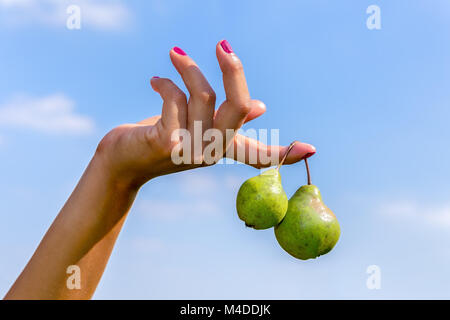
x: 261, y: 201
x: 309, y: 228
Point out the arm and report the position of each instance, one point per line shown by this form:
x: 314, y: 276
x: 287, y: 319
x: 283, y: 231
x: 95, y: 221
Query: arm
x: 83, y: 234
x: 85, y: 230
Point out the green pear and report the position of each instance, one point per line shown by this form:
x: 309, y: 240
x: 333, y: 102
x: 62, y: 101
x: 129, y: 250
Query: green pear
x: 309, y: 228
x: 261, y: 201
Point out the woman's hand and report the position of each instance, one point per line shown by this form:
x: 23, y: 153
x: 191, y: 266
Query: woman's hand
x: 85, y: 230
x: 135, y: 153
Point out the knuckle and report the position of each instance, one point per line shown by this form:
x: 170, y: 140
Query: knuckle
x: 242, y: 108
x: 207, y: 96
x: 161, y: 143
x: 178, y: 96
x: 169, y: 85
x: 170, y: 91
x: 151, y: 136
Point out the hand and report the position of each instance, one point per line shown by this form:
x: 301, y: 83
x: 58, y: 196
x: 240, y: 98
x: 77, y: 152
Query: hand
x: 136, y: 153
x: 85, y: 230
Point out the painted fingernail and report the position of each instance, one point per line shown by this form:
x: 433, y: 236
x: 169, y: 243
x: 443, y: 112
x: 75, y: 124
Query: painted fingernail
x: 226, y: 46
x: 155, y: 77
x: 309, y: 155
x: 179, y: 51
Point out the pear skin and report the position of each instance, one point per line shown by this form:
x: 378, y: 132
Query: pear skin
x: 309, y: 229
x: 261, y: 201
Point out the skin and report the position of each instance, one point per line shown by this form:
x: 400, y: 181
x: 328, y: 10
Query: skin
x: 86, y: 228
x: 261, y: 201
x: 310, y: 228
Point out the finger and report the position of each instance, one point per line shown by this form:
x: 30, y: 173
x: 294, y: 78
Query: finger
x: 174, y: 110
x: 259, y: 155
x: 258, y: 108
x: 232, y: 113
x: 202, y: 98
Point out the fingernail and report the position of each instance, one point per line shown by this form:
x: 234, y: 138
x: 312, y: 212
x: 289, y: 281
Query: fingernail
x: 226, y: 46
x: 309, y: 155
x: 155, y: 77
x: 179, y: 51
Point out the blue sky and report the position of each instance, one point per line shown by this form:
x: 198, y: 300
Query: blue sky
x: 375, y: 103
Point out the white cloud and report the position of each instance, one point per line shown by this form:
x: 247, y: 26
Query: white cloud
x: 96, y: 14
x: 50, y: 114
x: 432, y: 215
x: 13, y: 3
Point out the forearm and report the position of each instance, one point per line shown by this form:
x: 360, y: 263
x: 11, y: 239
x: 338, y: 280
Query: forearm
x: 83, y: 234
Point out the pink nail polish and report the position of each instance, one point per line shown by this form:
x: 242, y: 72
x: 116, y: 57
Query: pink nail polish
x: 179, y: 51
x: 155, y: 77
x: 226, y: 46
x: 309, y: 155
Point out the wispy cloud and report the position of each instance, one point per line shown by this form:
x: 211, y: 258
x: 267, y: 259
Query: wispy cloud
x: 95, y: 14
x: 433, y: 215
x: 50, y: 114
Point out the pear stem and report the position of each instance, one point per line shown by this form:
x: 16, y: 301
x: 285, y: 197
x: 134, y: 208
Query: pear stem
x: 307, y: 172
x: 286, y: 154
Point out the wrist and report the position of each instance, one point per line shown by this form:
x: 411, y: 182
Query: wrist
x: 118, y: 181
